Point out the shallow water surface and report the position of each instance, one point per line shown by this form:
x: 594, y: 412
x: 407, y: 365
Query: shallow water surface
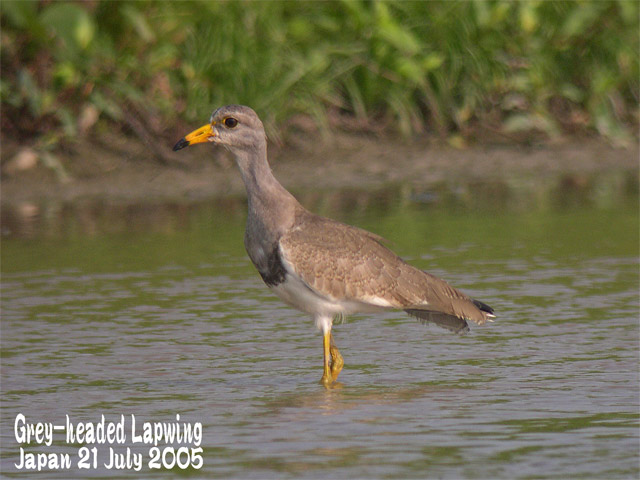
x: 178, y: 322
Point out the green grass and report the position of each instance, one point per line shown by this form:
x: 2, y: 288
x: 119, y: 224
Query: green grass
x: 454, y: 68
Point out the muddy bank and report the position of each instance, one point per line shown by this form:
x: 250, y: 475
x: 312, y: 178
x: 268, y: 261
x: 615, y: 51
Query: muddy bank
x: 116, y: 185
x: 120, y: 170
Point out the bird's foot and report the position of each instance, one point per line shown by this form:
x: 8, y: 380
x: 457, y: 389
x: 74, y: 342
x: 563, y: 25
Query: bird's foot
x: 337, y: 362
x: 329, y: 382
x: 326, y: 381
x: 333, y: 362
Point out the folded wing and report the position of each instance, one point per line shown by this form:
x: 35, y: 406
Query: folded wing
x: 344, y: 263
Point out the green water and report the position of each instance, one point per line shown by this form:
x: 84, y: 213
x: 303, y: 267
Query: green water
x: 158, y: 312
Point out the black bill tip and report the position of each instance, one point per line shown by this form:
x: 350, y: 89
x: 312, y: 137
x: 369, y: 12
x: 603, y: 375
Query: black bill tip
x: 182, y: 143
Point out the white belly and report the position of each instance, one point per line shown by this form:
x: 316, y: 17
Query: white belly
x: 297, y: 294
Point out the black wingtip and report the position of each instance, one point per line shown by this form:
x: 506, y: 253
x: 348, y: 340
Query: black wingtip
x: 182, y: 143
x: 482, y: 306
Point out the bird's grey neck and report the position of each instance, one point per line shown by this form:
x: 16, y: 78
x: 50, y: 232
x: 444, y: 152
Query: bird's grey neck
x: 258, y: 178
x: 271, y: 206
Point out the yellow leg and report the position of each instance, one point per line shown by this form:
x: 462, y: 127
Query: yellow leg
x: 337, y: 362
x: 333, y: 361
x: 327, y: 378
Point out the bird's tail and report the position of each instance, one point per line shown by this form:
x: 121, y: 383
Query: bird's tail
x: 450, y: 322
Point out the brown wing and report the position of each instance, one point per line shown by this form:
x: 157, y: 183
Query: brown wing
x: 347, y: 263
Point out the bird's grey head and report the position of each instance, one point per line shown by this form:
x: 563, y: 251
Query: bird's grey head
x: 235, y: 127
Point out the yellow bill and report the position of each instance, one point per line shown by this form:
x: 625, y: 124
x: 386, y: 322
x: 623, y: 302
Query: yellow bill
x: 202, y: 134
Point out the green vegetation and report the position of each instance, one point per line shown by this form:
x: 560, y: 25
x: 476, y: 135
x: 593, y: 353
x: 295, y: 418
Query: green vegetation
x: 456, y: 68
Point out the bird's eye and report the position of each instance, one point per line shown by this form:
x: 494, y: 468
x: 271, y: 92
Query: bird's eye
x: 230, y: 122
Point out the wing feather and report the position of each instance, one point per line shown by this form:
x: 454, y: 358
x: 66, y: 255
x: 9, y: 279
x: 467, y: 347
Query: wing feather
x: 347, y: 263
